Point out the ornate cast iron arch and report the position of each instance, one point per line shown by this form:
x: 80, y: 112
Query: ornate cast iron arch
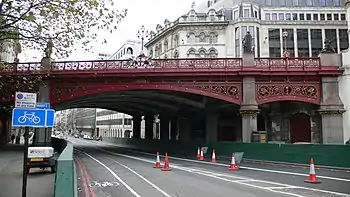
x: 226, y: 92
x: 308, y: 93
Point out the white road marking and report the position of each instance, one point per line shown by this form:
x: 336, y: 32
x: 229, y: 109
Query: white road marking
x: 143, y: 178
x: 242, y: 167
x: 114, y: 174
x: 238, y: 182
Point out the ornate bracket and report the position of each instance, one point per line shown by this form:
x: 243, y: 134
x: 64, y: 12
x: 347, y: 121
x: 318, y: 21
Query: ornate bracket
x: 252, y: 113
x: 331, y: 112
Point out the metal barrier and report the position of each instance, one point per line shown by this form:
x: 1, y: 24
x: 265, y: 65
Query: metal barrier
x: 65, y: 173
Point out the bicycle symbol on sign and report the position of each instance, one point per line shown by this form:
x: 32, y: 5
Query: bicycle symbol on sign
x: 31, y: 117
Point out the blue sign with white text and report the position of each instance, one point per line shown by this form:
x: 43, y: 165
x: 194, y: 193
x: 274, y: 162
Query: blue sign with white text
x: 33, y: 117
x: 43, y: 105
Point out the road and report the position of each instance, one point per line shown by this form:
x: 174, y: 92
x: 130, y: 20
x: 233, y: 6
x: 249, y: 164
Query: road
x: 105, y: 170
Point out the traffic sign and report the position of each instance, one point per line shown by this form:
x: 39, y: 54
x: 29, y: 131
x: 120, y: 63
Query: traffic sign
x: 25, y: 100
x: 33, y: 117
x: 43, y: 105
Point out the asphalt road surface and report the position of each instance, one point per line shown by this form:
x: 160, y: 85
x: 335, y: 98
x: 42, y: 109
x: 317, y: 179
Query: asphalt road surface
x: 105, y: 171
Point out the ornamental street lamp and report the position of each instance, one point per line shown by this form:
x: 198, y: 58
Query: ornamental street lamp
x: 142, y: 33
x: 285, y: 36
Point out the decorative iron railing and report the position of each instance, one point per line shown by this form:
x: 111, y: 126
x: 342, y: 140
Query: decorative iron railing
x: 158, y: 65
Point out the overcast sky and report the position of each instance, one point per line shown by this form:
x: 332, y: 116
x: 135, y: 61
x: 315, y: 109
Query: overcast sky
x: 140, y: 12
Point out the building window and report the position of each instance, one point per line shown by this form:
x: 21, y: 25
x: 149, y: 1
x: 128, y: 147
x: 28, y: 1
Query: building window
x: 191, y: 38
x: 235, y: 14
x: 274, y: 43
x: 343, y: 39
x: 337, y: 3
x: 342, y: 17
x: 268, y: 16
x: 295, y: 16
x: 268, y: 2
x: 329, y: 17
x: 336, y: 17
x: 202, y: 37
x: 303, y: 42
x: 237, y: 42
x: 322, y: 17
x: 288, y: 17
x: 281, y: 16
x: 323, y: 2
x: 246, y: 13
x: 213, y: 53
x: 202, y: 54
x: 295, y: 2
x: 308, y: 17
x: 244, y: 31
x: 332, y: 34
x: 191, y: 53
x: 288, y: 43
x: 213, y: 38
x: 301, y: 17
x: 315, y: 17
x: 176, y: 54
x: 274, y: 16
x: 309, y: 2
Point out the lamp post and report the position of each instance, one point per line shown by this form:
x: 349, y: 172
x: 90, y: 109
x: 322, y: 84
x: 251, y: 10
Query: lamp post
x: 285, y: 36
x: 142, y: 33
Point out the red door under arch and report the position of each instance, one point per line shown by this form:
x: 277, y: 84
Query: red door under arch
x: 300, y: 128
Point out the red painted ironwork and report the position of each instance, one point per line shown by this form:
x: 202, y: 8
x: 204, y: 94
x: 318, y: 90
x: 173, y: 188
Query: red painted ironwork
x: 165, y: 65
x: 309, y: 63
x: 230, y: 92
x: 271, y: 92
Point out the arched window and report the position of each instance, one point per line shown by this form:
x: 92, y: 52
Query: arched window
x: 202, y: 37
x: 213, y: 53
x: 165, y: 45
x: 191, y: 53
x: 191, y: 38
x: 165, y: 56
x: 202, y: 54
x: 176, y: 41
x: 129, y: 51
x: 176, y: 54
x: 213, y: 37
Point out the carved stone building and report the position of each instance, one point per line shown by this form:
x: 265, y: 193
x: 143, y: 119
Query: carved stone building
x: 215, y: 28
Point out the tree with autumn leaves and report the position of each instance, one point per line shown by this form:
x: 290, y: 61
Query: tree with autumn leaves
x: 32, y: 23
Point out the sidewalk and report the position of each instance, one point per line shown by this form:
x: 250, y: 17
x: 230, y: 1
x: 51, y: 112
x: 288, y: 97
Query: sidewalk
x: 40, y: 182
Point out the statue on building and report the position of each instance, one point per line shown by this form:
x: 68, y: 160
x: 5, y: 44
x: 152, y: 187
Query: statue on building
x: 193, y: 5
x: 247, y: 43
x: 327, y: 47
x: 48, y: 49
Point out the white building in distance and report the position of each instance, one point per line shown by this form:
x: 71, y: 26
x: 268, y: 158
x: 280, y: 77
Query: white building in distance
x: 115, y: 124
x: 216, y: 28
x: 130, y: 49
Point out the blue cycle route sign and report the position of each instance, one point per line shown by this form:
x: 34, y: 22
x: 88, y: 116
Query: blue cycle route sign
x: 43, y: 105
x: 38, y: 118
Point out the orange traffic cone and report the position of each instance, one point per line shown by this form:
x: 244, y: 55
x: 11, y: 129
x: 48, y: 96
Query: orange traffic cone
x: 198, y: 152
x: 213, y: 157
x: 158, y: 165
x: 312, y: 175
x: 201, y: 158
x: 233, y: 165
x: 166, y: 163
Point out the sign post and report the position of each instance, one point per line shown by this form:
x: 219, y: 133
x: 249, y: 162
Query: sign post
x: 28, y: 113
x: 25, y: 156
